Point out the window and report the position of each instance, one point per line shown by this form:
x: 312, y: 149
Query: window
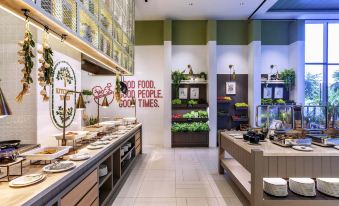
x: 322, y: 63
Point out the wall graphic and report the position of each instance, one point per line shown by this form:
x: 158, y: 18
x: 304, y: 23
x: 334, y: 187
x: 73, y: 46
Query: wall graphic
x: 64, y: 79
x: 99, y: 92
x: 145, y: 93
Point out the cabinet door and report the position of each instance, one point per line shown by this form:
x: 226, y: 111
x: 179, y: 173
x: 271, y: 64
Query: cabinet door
x: 79, y: 191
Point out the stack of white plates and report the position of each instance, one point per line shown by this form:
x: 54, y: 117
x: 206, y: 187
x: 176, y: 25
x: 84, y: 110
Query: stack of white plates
x: 275, y: 186
x: 328, y: 186
x: 302, y: 186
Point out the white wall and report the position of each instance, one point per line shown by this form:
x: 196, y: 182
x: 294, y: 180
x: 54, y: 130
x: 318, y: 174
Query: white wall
x: 195, y: 55
x: 45, y: 126
x: 22, y: 124
x: 149, y: 65
x: 274, y: 55
x: 236, y: 55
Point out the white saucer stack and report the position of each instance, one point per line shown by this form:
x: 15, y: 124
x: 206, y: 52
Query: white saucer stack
x: 275, y: 186
x: 328, y: 186
x: 302, y: 186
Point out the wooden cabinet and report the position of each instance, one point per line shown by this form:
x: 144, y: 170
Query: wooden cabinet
x: 85, y: 191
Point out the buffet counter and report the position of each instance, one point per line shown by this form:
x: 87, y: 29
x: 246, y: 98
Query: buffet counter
x: 81, y: 185
x: 247, y: 164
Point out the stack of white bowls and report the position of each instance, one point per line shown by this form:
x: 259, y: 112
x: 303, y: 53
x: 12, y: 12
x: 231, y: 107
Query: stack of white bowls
x: 302, y: 186
x: 328, y: 186
x: 275, y: 186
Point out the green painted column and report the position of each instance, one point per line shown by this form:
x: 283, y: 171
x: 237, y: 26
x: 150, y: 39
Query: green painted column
x: 167, y: 30
x: 254, y: 31
x: 211, y: 30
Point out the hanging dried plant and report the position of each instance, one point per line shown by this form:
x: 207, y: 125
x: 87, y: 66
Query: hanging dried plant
x: 117, y: 93
x: 45, y: 74
x: 26, y: 58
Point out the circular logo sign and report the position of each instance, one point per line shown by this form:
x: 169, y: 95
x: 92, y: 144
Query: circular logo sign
x: 64, y: 80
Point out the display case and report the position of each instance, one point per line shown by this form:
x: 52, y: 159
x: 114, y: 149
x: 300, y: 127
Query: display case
x: 314, y: 117
x: 280, y: 117
x: 106, y: 25
x: 336, y: 118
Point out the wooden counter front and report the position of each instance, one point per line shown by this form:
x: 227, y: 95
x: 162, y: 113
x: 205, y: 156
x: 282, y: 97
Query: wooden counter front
x: 57, y: 185
x: 248, y: 164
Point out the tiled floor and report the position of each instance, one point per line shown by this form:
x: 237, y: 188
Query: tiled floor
x: 178, y: 177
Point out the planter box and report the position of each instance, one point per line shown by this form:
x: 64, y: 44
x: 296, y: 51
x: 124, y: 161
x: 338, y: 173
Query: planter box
x: 190, y: 139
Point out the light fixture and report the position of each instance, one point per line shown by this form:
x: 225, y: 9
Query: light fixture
x: 105, y: 103
x: 4, y: 108
x: 80, y: 105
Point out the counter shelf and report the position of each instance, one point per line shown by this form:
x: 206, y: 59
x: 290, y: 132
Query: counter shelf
x: 247, y: 165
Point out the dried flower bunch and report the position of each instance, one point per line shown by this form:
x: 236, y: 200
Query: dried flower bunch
x: 45, y: 74
x: 26, y: 58
x: 117, y: 93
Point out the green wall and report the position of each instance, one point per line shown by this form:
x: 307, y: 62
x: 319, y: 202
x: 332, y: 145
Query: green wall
x: 189, y: 32
x: 225, y: 32
x: 275, y: 32
x: 149, y: 32
x: 232, y: 32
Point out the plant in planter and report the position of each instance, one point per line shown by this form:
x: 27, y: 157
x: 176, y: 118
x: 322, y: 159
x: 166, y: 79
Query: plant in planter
x: 177, y: 77
x: 203, y: 75
x: 192, y: 102
x: 87, y: 93
x: 288, y: 76
x: 279, y: 101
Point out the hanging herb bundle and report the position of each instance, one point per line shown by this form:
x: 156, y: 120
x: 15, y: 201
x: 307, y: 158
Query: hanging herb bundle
x: 26, y: 58
x: 45, y: 74
x: 117, y: 93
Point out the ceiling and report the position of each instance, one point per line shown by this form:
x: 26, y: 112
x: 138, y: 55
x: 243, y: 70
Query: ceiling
x: 200, y: 9
x: 236, y: 9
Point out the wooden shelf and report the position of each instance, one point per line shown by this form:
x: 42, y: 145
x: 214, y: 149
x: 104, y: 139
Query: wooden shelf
x: 239, y: 175
x: 126, y: 155
x: 103, y: 179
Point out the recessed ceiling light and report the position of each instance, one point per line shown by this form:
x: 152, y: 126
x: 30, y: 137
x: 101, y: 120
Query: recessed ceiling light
x: 190, y: 4
x: 242, y: 3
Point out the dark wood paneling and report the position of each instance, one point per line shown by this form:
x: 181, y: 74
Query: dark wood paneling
x: 240, y: 96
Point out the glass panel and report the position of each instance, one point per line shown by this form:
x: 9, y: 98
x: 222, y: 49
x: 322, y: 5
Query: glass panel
x: 333, y: 85
x: 281, y: 117
x: 314, y: 118
x: 314, y: 43
x: 313, y: 84
x: 262, y: 114
x: 333, y: 43
x: 336, y: 118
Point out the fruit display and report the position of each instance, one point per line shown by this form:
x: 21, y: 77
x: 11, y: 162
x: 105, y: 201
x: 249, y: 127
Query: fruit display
x: 224, y: 98
x: 176, y: 116
x: 241, y: 104
x: 190, y: 127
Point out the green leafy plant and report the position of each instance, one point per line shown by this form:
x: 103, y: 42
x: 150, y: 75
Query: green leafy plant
x: 190, y: 127
x: 266, y: 101
x: 177, y: 77
x: 279, y: 101
x: 195, y: 114
x: 241, y: 104
x: 176, y: 101
x: 87, y: 92
x: 192, y: 102
x: 203, y: 75
x: 288, y: 76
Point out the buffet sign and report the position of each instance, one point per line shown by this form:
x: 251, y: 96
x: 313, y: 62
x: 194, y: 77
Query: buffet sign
x: 145, y: 93
x: 64, y: 79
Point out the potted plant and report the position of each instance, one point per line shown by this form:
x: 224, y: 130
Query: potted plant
x: 177, y: 77
x: 87, y: 93
x: 288, y: 76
